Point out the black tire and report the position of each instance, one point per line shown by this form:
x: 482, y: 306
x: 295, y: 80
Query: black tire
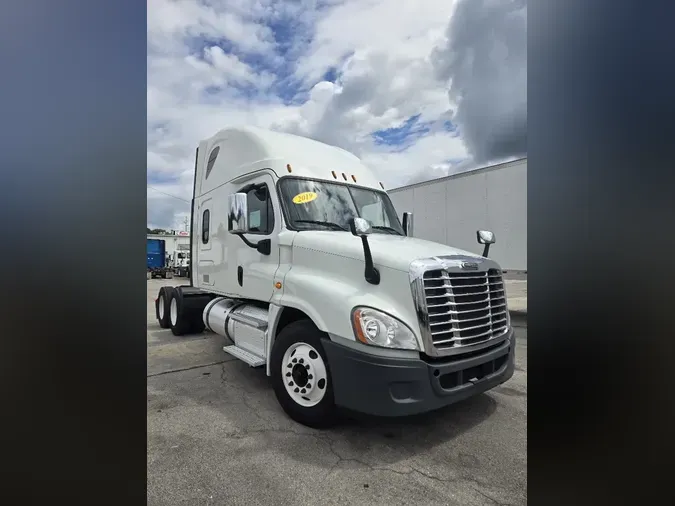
x: 165, y: 292
x: 323, y: 414
x: 182, y: 325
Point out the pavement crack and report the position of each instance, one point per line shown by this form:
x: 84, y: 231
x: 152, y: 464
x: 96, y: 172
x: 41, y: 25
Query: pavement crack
x: 172, y: 371
x: 341, y: 459
x: 490, y: 498
x: 245, y: 394
x: 246, y: 401
x: 411, y: 470
x: 222, y: 374
x: 250, y: 432
x: 371, y: 467
x: 434, y: 477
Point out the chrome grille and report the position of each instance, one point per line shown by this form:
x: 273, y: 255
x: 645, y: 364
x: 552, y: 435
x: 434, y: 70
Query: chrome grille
x: 464, y: 308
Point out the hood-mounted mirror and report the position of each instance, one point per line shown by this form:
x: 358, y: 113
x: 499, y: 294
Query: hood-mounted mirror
x: 361, y: 228
x: 485, y: 237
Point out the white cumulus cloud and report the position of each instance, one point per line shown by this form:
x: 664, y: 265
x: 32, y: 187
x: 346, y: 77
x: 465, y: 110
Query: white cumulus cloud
x: 381, y: 78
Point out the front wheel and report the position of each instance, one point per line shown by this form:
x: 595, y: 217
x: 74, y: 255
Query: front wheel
x: 301, y: 375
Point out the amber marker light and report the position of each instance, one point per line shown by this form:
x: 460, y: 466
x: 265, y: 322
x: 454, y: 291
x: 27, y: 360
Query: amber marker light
x: 353, y: 178
x: 334, y: 174
x: 358, y: 329
x: 288, y: 167
x: 277, y: 285
x: 344, y: 176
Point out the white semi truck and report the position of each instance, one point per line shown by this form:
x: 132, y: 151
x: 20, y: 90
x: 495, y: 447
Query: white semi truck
x: 181, y: 262
x: 300, y: 262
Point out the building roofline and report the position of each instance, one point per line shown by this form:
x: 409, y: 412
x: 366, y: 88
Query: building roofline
x: 169, y: 236
x: 457, y: 175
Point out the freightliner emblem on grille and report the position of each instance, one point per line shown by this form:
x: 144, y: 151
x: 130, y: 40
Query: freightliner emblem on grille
x: 469, y: 266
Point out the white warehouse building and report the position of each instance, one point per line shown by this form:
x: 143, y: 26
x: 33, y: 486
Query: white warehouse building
x: 449, y: 210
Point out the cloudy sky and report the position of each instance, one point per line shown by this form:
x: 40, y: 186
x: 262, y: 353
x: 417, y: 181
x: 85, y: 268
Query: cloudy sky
x: 416, y: 88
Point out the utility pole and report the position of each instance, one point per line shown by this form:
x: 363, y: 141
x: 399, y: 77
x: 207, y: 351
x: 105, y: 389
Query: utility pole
x: 187, y: 221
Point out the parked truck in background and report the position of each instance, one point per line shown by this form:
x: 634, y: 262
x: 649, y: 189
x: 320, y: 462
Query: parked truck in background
x: 301, y: 264
x: 157, y: 259
x: 181, y: 263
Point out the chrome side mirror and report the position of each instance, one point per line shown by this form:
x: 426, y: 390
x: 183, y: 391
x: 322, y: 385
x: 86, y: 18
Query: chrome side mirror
x: 408, y: 224
x: 360, y: 227
x: 237, y: 219
x: 485, y: 237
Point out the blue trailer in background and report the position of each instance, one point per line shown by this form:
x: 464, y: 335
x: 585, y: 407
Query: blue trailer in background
x: 157, y: 260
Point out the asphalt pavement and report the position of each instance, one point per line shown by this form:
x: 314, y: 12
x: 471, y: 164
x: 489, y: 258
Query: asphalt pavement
x: 216, y: 435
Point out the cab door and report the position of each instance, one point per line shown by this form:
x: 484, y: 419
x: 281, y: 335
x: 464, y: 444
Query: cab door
x: 251, y: 272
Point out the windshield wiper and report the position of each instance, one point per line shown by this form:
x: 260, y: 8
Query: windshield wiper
x: 328, y: 224
x: 388, y: 229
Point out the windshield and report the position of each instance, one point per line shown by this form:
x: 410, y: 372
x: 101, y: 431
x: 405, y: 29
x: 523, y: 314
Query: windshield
x: 320, y: 205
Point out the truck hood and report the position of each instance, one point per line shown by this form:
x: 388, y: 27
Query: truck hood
x: 393, y: 251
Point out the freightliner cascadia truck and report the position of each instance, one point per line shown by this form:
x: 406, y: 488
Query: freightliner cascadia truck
x: 300, y: 262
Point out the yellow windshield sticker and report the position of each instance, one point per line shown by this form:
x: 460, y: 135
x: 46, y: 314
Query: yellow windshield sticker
x: 303, y: 198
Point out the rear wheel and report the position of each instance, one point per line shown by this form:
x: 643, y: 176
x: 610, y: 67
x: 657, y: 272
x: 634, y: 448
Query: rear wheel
x: 162, y: 306
x: 185, y: 314
x: 301, y: 375
x: 179, y: 321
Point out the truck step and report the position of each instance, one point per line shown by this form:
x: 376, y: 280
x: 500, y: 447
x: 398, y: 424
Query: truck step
x: 246, y: 356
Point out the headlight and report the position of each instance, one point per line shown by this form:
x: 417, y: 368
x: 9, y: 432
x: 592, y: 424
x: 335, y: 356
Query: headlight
x: 379, y: 329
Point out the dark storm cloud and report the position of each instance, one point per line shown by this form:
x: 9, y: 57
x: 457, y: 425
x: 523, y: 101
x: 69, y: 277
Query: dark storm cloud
x: 485, y: 63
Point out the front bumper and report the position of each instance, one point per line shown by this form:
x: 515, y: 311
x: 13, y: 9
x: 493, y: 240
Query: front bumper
x: 385, y: 386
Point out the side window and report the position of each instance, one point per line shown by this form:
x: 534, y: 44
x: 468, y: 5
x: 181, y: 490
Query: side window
x: 260, y: 211
x: 206, y: 218
x: 212, y: 160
